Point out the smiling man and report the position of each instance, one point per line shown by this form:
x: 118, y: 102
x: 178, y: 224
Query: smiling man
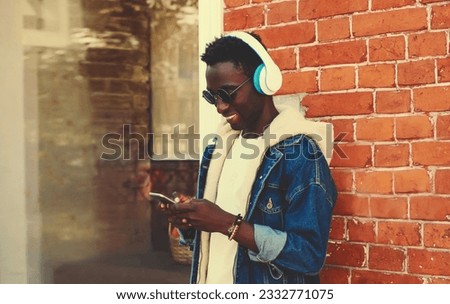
x: 265, y: 197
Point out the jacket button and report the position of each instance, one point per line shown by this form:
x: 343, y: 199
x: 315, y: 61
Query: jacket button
x: 269, y: 204
x: 260, y: 177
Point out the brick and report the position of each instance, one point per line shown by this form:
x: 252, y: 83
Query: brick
x: 334, y: 275
x: 402, y: 20
x: 352, y: 156
x: 440, y: 17
x: 399, y: 233
x: 286, y: 59
x: 346, y: 254
x: 433, y: 208
x: 373, y: 182
x: 282, y: 12
x: 243, y: 18
x: 111, y: 101
x: 333, y: 29
x: 372, y: 277
x: 343, y: 130
x: 314, y: 9
x: 386, y: 258
x: 388, y: 207
x: 387, y: 48
x: 391, y: 155
x: 442, y: 181
x: 98, y: 85
x: 333, y: 53
x: 140, y: 102
x: 361, y: 231
x: 390, y: 102
x: 296, y: 82
x: 350, y: 204
x: 103, y: 115
x: 287, y: 35
x: 436, y: 235
x: 343, y: 180
x: 235, y: 3
x: 335, y: 79
x: 429, y: 1
x: 337, y: 231
x: 427, y: 44
x: 411, y: 181
x: 383, y: 4
x: 108, y: 70
x: 116, y: 56
x: 430, y: 262
x: 431, y: 153
x: 338, y: 104
x: 119, y: 22
x: 137, y: 26
x: 375, y: 129
x: 414, y: 127
x: 95, y: 6
x: 443, y: 127
x: 434, y: 280
x: 432, y: 99
x: 376, y: 76
x: 126, y: 87
x: 443, y: 67
x: 416, y: 72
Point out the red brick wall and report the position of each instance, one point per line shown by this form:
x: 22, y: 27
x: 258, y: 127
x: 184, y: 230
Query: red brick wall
x: 379, y: 70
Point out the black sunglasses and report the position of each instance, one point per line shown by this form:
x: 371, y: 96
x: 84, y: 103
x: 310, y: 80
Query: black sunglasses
x: 222, y: 94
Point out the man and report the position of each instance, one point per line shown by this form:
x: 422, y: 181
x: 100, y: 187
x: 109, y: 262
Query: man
x: 265, y: 193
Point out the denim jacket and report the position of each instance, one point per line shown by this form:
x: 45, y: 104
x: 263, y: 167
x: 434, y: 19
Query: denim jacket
x: 290, y: 206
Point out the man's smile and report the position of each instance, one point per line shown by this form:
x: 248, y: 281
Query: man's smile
x: 229, y: 118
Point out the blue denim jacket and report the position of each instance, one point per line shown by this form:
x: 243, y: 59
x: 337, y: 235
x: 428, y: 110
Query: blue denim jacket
x: 290, y: 206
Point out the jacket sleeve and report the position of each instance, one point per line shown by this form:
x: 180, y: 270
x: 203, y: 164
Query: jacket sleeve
x: 302, y: 243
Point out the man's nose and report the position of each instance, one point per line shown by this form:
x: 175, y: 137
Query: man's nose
x: 221, y: 106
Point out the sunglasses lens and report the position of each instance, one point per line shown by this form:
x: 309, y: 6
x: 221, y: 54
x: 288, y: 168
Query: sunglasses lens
x: 224, y: 95
x: 209, y: 97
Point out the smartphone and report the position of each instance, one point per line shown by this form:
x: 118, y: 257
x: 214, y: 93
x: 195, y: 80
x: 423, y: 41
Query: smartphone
x: 162, y: 198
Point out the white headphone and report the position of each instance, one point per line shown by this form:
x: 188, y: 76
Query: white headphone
x: 267, y: 78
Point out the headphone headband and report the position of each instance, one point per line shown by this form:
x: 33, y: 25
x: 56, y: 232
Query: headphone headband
x: 267, y: 78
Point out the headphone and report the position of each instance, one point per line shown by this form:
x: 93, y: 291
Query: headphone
x: 267, y: 78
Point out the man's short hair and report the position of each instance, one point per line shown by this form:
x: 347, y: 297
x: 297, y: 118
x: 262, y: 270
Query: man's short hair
x: 232, y: 49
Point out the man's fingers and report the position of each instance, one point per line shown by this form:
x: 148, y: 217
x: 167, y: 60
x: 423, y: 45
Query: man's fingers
x: 180, y: 222
x: 181, y: 207
x: 165, y: 207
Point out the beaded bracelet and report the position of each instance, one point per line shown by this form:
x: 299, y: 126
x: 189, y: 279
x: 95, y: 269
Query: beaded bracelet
x: 235, y: 227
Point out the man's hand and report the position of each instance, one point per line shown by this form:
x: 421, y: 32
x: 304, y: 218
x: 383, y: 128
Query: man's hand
x: 200, y: 214
x: 203, y: 215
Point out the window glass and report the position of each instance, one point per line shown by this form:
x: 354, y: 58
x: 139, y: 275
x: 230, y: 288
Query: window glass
x: 174, y: 78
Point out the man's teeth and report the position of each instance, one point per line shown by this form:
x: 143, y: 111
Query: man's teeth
x: 230, y: 117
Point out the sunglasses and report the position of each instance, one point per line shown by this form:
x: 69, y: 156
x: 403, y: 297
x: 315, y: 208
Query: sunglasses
x: 222, y: 94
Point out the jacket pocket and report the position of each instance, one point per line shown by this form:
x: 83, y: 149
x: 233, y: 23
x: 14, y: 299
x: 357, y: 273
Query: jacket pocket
x: 270, y: 207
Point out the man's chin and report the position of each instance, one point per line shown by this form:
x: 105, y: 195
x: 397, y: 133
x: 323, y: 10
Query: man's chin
x: 236, y: 127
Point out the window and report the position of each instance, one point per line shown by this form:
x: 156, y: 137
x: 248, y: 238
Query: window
x: 174, y: 79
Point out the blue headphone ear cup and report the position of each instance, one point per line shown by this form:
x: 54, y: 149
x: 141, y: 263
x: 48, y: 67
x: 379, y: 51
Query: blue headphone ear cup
x: 257, y: 77
x: 268, y: 78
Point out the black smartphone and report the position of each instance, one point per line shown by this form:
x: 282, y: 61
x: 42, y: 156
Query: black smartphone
x: 162, y: 198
